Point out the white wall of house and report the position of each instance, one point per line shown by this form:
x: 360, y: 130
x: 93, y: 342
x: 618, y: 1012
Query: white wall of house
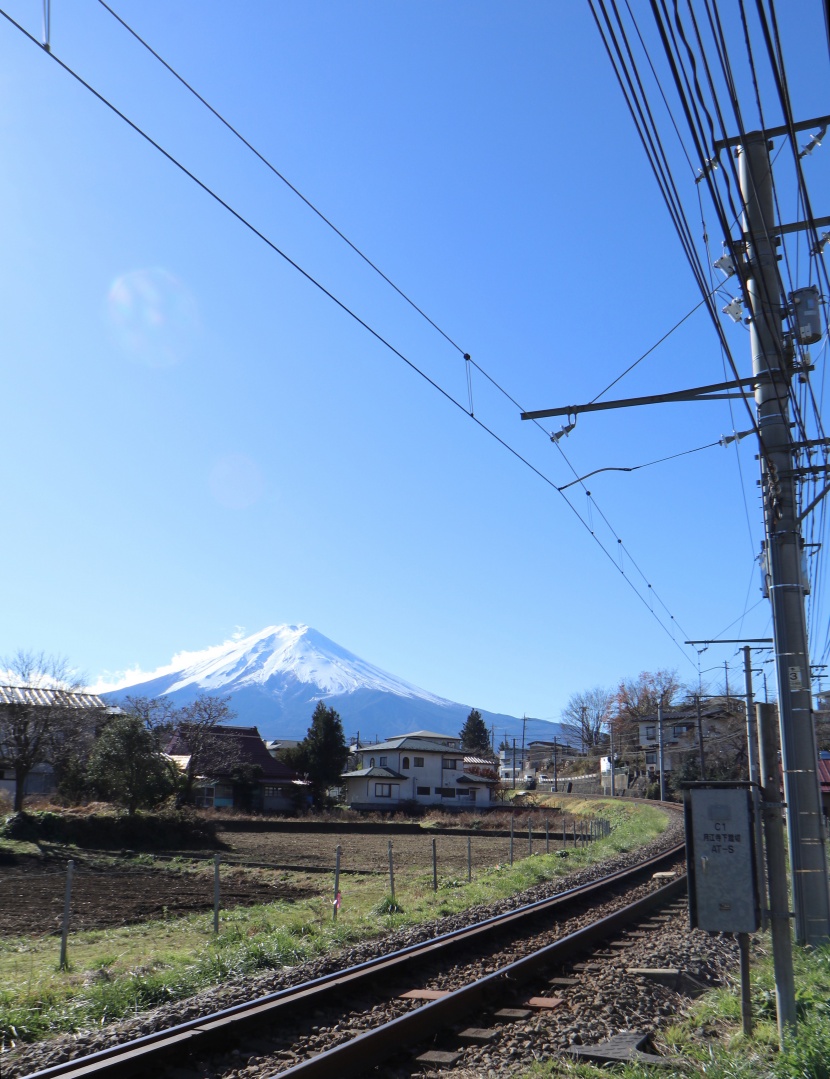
x: 425, y: 775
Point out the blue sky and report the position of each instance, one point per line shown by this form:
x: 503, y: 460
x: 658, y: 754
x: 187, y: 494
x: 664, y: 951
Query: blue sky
x: 196, y: 439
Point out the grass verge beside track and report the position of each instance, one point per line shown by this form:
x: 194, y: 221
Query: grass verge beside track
x: 120, y: 972
x: 708, y: 1040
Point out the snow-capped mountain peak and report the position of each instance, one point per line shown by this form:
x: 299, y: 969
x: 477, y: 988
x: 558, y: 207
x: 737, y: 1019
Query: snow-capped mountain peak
x: 275, y: 677
x: 280, y: 651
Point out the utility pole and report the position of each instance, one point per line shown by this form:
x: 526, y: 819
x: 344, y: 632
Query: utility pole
x: 783, y: 542
x: 751, y: 733
x: 776, y: 867
x: 611, y: 755
x: 701, y: 756
x: 660, y: 744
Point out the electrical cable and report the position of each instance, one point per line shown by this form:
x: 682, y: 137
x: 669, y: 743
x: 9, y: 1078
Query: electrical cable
x: 278, y: 174
x: 347, y: 310
x: 646, y: 464
x: 311, y: 206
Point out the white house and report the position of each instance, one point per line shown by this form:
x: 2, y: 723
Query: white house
x: 423, y: 768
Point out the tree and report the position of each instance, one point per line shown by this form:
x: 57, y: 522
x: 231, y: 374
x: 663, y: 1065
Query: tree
x: 322, y: 754
x: 198, y: 736
x: 158, y: 714
x: 51, y: 726
x: 127, y: 767
x: 586, y: 715
x: 637, y: 699
x: 475, y: 737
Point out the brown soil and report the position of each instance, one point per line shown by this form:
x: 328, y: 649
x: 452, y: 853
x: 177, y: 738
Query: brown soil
x: 32, y: 895
x: 370, y: 853
x: 32, y: 890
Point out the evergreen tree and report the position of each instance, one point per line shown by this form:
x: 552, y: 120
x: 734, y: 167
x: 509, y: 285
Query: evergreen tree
x: 475, y: 738
x: 322, y: 754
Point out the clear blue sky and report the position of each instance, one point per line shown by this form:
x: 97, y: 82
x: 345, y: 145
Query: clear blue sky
x: 194, y: 438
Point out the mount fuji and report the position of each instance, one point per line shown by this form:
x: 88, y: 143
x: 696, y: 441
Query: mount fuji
x: 274, y: 679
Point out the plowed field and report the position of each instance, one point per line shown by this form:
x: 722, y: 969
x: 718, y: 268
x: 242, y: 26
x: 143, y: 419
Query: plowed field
x: 32, y: 890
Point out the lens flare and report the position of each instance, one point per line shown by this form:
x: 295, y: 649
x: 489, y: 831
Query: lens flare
x: 153, y: 316
x: 236, y: 481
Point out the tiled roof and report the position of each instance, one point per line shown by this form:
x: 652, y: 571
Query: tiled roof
x: 373, y: 773
x: 412, y: 743
x: 49, y: 698
x: 247, y: 748
x: 824, y: 775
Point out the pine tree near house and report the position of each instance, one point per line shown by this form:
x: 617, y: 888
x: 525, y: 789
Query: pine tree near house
x: 323, y: 752
x: 475, y: 738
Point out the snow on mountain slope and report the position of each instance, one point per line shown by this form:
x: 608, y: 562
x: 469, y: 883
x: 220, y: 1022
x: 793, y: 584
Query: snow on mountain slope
x: 278, y: 651
x: 274, y: 678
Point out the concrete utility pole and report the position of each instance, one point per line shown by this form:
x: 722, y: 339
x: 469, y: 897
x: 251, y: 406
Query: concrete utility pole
x: 784, y: 546
x: 776, y: 867
x: 660, y: 744
x: 751, y: 734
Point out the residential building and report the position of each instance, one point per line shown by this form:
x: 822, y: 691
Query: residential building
x: 35, y: 724
x: 421, y: 768
x: 722, y: 723
x: 239, y: 772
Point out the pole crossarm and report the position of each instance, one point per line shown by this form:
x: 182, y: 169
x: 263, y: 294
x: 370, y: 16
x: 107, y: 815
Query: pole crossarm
x: 771, y: 132
x: 802, y: 226
x: 697, y: 393
x: 737, y: 640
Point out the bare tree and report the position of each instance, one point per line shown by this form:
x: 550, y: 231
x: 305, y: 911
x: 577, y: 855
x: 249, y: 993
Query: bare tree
x: 43, y: 715
x: 586, y: 715
x: 158, y: 714
x: 637, y: 699
x: 199, y: 736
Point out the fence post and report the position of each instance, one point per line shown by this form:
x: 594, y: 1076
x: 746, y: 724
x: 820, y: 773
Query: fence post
x: 511, y: 840
x: 336, y: 904
x: 469, y: 858
x: 216, y: 893
x: 529, y: 836
x: 434, y: 867
x: 67, y: 899
x: 547, y: 836
x: 391, y: 872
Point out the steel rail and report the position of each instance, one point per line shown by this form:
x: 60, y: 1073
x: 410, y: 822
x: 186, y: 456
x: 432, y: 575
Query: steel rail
x: 367, y: 1050
x: 136, y: 1056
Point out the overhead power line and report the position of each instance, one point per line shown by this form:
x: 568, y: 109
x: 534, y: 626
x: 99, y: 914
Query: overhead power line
x: 268, y: 164
x: 383, y: 341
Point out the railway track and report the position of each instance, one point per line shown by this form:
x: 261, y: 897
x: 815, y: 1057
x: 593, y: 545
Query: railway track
x: 351, y: 1021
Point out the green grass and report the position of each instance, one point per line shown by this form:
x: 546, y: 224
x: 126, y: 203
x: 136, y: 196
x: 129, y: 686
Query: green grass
x: 119, y: 972
x: 709, y: 1040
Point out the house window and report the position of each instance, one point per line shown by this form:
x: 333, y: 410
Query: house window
x: 449, y: 764
x: 651, y: 734
x: 682, y: 728
x: 272, y: 792
x: 418, y: 762
x: 405, y: 763
x: 422, y: 790
x: 651, y: 758
x: 470, y: 794
x: 383, y: 790
x: 382, y: 762
x: 445, y: 792
x: 371, y: 762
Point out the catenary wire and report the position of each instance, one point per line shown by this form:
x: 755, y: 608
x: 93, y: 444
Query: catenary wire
x: 352, y: 314
x: 353, y: 246
x: 280, y: 175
